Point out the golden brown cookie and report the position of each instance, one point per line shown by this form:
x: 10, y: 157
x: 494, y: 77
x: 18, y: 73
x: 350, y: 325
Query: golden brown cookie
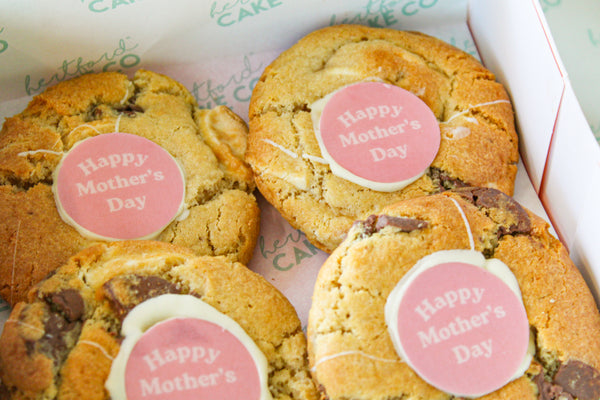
x: 64, y: 341
x: 219, y: 213
x: 478, y: 141
x: 351, y: 351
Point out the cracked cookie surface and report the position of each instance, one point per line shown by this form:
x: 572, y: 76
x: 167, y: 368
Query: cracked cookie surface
x: 478, y: 139
x: 350, y: 350
x: 61, y: 342
x: 208, y: 144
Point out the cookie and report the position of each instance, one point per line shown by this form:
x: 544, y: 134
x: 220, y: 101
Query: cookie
x: 358, y: 327
x: 328, y: 147
x: 75, y: 337
x: 197, y: 189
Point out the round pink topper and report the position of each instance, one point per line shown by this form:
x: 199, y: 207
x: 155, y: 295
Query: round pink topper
x: 462, y: 329
x: 119, y: 186
x: 379, y: 133
x: 190, y: 358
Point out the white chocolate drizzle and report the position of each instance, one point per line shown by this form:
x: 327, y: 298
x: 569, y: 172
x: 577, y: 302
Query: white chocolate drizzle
x: 353, y: 352
x: 280, y: 147
x: 467, y: 226
x: 124, y: 99
x: 471, y: 107
x: 58, y: 153
x: 118, y: 122
x: 33, y: 152
x: 14, y: 263
x: 294, y: 155
x: 85, y: 126
x: 317, y: 159
x: 35, y: 328
x: 99, y: 347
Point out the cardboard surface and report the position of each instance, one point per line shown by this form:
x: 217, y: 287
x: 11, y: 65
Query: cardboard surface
x: 513, y: 44
x: 571, y: 190
x: 575, y: 27
x: 557, y: 143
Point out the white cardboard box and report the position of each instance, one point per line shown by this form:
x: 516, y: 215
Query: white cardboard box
x: 218, y: 50
x: 557, y: 144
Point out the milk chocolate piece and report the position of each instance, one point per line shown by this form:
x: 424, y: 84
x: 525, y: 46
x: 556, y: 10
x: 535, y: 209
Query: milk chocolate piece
x: 490, y: 198
x: 444, y: 181
x: 59, y: 335
x: 375, y: 223
x: 130, y: 109
x: 575, y: 379
x: 549, y: 391
x: 323, y: 392
x: 69, y: 303
x: 579, y: 379
x: 4, y: 392
x: 125, y: 292
x: 369, y: 224
x: 55, y: 327
x: 404, y: 224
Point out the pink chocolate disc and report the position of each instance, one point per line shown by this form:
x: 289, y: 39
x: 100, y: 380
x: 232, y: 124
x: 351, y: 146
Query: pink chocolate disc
x: 190, y: 358
x: 462, y: 329
x: 119, y: 186
x: 379, y: 132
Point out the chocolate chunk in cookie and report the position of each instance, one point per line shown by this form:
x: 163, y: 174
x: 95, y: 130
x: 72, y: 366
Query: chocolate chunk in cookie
x: 375, y: 223
x: 579, y: 379
x: 126, y: 291
x: 510, y: 215
x: 69, y: 303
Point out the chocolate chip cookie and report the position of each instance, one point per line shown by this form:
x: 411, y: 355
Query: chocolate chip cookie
x: 353, y: 351
x: 316, y: 162
x: 215, y: 213
x: 75, y: 336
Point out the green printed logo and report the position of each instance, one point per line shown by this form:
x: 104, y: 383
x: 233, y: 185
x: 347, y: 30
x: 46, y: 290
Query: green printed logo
x: 288, y: 253
x: 467, y: 46
x: 100, y: 6
x: 548, y: 4
x: 593, y: 36
x: 238, y: 86
x: 228, y: 13
x: 381, y: 13
x: 3, y: 43
x: 377, y: 13
x: 410, y: 8
x: 122, y: 57
x: 596, y: 131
